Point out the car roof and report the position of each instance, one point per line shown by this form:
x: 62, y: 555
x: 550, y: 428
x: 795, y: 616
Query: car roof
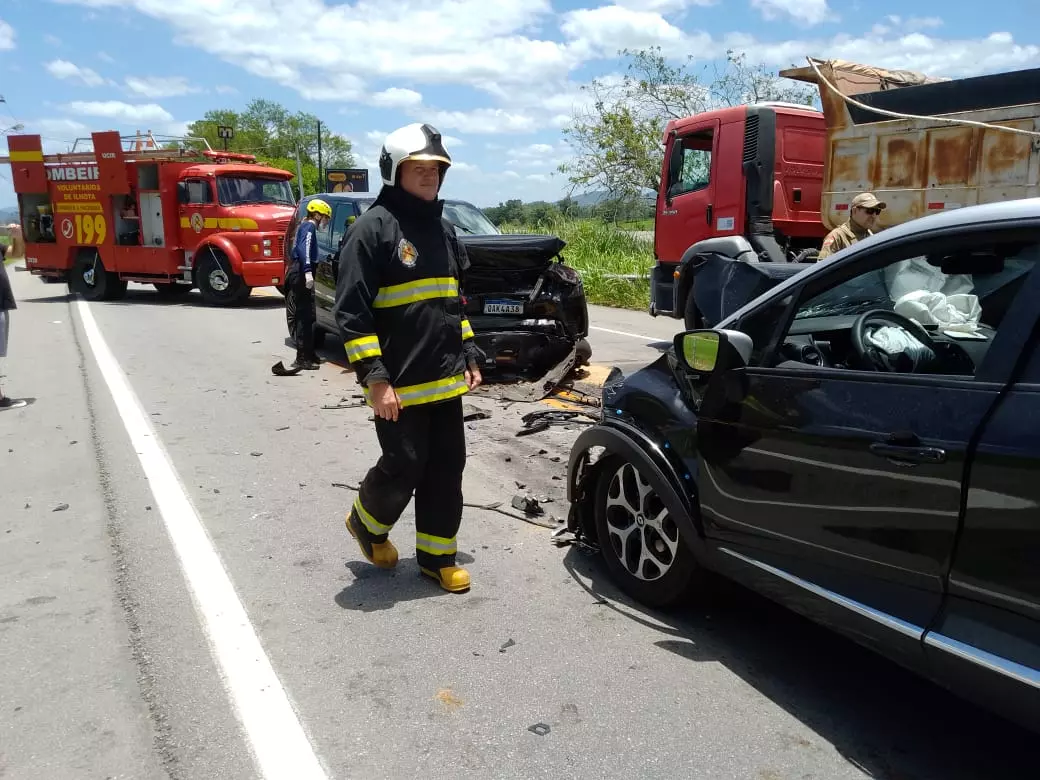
x: 1024, y: 210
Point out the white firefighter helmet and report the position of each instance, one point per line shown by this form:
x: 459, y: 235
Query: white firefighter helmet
x: 411, y: 142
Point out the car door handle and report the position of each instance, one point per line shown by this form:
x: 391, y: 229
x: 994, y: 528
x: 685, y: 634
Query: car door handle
x: 908, y: 453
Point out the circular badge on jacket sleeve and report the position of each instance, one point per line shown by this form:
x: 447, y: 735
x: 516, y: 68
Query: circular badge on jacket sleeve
x: 407, y: 253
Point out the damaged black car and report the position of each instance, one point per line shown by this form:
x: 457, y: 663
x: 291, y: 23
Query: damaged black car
x: 526, y: 306
x: 858, y: 442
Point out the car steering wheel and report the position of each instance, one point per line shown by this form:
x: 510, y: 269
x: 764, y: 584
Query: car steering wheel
x: 876, y: 358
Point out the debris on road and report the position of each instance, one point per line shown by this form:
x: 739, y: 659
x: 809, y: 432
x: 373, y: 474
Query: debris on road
x: 60, y: 508
x: 528, y: 505
x: 279, y: 369
x: 540, y: 421
x: 470, y: 413
x: 541, y: 729
x: 507, y: 645
x: 256, y: 454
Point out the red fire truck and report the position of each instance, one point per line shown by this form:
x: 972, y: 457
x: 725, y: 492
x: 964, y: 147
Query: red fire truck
x: 176, y: 218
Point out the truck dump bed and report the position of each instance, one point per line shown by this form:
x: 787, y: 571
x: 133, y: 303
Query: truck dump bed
x: 921, y: 166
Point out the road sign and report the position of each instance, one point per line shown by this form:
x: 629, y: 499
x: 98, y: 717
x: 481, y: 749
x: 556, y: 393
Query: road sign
x: 226, y: 132
x: 346, y: 180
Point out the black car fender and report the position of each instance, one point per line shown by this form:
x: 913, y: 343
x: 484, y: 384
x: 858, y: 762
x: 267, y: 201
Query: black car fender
x: 619, y: 438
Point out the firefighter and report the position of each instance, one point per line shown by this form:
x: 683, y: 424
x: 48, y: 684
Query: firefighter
x: 300, y: 279
x: 398, y: 308
x: 863, y: 214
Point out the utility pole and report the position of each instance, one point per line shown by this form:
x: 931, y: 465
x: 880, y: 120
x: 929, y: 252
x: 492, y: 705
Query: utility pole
x: 321, y: 179
x: 299, y: 172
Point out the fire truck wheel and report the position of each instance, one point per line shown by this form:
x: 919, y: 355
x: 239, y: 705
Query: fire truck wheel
x: 218, y: 283
x: 90, y: 279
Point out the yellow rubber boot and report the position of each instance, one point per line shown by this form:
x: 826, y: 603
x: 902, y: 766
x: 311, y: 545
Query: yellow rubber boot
x: 381, y: 554
x: 452, y: 578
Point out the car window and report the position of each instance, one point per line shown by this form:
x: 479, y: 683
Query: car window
x: 957, y: 291
x: 344, y: 211
x: 469, y: 220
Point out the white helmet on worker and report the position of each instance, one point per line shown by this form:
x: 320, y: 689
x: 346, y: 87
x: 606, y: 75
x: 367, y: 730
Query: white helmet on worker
x: 411, y: 142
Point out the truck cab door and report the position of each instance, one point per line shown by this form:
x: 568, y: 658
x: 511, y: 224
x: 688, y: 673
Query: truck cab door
x: 196, y: 203
x: 686, y: 206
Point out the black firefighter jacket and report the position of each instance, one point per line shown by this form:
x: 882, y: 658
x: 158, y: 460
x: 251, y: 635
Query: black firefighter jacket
x: 398, y: 304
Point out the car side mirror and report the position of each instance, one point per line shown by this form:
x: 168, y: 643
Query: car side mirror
x: 712, y: 351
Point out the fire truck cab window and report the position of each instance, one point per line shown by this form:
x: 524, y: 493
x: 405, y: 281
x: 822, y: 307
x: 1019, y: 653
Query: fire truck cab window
x: 690, y: 163
x: 196, y: 191
x: 242, y: 190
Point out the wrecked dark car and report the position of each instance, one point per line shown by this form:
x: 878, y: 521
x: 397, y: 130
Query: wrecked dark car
x: 860, y: 443
x: 527, y: 307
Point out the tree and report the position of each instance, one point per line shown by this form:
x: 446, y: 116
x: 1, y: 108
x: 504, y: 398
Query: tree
x: 618, y: 140
x: 273, y: 134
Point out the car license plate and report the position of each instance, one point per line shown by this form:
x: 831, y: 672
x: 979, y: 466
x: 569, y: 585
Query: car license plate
x: 503, y: 307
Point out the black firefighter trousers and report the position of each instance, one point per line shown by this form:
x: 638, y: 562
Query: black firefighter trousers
x: 305, y: 311
x: 424, y: 453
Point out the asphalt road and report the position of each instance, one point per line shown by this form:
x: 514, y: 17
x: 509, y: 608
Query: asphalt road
x: 123, y: 653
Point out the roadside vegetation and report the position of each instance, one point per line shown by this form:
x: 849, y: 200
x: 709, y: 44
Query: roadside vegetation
x: 603, y: 253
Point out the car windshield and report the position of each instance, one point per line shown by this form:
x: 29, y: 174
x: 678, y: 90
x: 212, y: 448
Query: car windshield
x: 364, y: 204
x: 242, y: 190
x: 469, y: 219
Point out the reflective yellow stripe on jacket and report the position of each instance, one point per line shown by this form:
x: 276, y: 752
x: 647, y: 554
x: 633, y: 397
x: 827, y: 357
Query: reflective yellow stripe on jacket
x: 467, y: 330
x: 428, y: 392
x: 364, y: 347
x: 413, y: 292
x: 374, y: 526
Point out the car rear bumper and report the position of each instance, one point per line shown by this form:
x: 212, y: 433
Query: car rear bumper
x: 522, y: 351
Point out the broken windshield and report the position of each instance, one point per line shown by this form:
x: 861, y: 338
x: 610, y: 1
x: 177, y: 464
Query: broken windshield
x: 243, y: 190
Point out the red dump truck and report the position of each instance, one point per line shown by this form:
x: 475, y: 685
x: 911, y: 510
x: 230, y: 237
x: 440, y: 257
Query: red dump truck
x: 127, y: 211
x: 767, y: 182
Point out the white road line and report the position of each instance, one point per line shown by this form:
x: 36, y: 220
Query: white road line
x: 631, y: 335
x: 274, y: 732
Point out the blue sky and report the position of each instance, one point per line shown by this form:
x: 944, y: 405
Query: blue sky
x: 499, y: 78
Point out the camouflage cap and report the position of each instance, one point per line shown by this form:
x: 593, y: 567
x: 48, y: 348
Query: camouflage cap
x: 867, y: 200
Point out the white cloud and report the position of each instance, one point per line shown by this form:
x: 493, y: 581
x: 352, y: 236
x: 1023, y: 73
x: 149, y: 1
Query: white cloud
x: 63, y: 69
x: 395, y: 97
x: 105, y: 57
x: 160, y: 86
x: 223, y: 89
x: 662, y: 6
x: 53, y: 40
x: 6, y: 36
x: 125, y: 113
x: 806, y: 11
x: 605, y: 30
x: 915, y: 51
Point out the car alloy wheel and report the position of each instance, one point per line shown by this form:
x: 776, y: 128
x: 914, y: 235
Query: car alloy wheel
x: 642, y: 534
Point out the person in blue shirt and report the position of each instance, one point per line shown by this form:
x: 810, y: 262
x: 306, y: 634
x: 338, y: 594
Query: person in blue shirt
x: 300, y: 279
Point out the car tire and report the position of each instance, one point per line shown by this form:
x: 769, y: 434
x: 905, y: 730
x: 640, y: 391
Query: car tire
x: 642, y: 548
x: 584, y: 353
x: 218, y: 283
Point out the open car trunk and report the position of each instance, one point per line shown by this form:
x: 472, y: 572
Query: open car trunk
x: 527, y: 308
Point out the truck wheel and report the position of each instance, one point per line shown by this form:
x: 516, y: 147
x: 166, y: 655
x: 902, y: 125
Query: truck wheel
x: 218, y: 283
x: 692, y: 317
x: 93, y: 281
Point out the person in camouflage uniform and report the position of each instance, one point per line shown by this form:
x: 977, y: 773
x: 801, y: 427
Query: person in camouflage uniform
x: 863, y: 215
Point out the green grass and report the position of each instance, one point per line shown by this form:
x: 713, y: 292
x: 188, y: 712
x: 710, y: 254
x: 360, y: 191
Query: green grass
x: 637, y: 224
x: 598, y: 251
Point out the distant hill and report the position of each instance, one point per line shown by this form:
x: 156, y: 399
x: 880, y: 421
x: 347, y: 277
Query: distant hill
x: 595, y: 198
x: 7, y: 216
